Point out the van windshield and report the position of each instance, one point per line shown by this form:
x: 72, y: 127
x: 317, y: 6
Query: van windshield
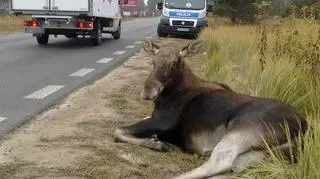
x: 185, y: 4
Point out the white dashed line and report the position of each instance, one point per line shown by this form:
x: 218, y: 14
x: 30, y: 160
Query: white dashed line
x: 2, y: 119
x: 119, y: 52
x: 130, y: 46
x: 82, y: 72
x: 44, y: 92
x: 105, y: 60
x: 138, y: 42
x: 148, y: 37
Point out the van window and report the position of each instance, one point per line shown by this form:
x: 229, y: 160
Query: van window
x: 185, y: 4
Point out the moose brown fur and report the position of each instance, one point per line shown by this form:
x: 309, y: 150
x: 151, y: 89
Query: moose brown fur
x: 206, y: 117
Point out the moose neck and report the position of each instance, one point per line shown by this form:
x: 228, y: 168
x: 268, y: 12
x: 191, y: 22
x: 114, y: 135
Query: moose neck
x: 190, y: 80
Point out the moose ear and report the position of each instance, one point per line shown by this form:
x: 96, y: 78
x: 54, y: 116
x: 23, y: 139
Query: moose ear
x: 192, y: 48
x: 150, y: 47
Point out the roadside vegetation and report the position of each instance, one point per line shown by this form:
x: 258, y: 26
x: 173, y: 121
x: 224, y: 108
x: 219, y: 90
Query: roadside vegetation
x: 275, y: 58
x: 9, y: 24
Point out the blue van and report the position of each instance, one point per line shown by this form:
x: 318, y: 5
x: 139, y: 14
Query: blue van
x: 182, y: 17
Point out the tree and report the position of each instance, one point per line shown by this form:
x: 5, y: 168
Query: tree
x: 243, y: 10
x: 240, y: 10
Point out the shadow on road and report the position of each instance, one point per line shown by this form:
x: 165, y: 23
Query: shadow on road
x: 74, y: 43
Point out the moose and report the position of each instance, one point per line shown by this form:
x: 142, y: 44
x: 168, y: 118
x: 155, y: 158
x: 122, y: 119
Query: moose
x: 207, y: 118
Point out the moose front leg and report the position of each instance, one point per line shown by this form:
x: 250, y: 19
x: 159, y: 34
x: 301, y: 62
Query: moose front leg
x: 141, y: 134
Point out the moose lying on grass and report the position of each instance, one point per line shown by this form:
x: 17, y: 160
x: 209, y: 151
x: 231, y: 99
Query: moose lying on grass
x: 207, y: 118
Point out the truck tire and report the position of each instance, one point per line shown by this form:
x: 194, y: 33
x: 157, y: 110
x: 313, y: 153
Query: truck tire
x: 117, y: 34
x: 96, y: 35
x: 43, y: 39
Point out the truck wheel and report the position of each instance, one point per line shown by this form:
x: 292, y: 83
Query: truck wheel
x: 43, y: 39
x: 96, y: 35
x: 117, y: 34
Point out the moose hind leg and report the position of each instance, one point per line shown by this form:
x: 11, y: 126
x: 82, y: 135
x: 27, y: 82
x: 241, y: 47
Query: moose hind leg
x: 246, y: 159
x: 251, y: 157
x: 224, y: 154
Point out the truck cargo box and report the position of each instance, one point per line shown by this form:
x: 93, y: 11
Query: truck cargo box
x: 97, y: 8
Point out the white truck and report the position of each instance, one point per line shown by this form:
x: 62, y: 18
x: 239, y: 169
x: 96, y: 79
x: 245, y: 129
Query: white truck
x: 71, y: 18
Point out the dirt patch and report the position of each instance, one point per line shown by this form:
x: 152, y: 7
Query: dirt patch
x: 75, y: 139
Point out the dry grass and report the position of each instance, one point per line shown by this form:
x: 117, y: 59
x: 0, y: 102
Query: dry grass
x: 75, y: 139
x: 290, y: 49
x: 9, y: 24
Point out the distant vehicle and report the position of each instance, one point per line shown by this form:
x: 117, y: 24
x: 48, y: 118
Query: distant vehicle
x: 183, y: 16
x: 131, y: 8
x: 71, y: 18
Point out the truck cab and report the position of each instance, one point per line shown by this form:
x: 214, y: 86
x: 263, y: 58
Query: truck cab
x: 183, y: 17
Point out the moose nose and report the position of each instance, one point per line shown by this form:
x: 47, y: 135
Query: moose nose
x: 149, y: 95
x: 143, y: 95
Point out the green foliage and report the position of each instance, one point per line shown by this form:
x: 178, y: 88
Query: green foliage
x: 249, y: 11
x: 300, y: 45
x: 302, y: 11
x: 244, y: 11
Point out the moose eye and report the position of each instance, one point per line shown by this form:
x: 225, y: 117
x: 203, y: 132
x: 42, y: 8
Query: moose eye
x: 173, y: 65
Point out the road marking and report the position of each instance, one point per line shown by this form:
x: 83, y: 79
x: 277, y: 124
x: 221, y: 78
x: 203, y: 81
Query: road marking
x: 119, y: 52
x: 105, y: 60
x: 2, y: 119
x: 130, y: 46
x: 148, y: 37
x: 138, y: 42
x: 44, y: 92
x: 82, y: 72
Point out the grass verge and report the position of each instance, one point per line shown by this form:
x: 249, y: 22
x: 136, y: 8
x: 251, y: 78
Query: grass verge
x: 275, y: 59
x: 9, y: 24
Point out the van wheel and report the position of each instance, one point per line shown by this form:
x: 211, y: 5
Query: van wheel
x: 194, y: 36
x: 96, y: 35
x: 43, y: 39
x: 161, y: 34
x: 117, y: 34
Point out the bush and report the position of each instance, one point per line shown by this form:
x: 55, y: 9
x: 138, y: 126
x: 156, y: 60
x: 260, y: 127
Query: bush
x: 243, y: 11
x: 306, y: 10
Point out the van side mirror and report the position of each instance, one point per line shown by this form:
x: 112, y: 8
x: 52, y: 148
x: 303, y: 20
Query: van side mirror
x: 210, y: 8
x: 160, y: 5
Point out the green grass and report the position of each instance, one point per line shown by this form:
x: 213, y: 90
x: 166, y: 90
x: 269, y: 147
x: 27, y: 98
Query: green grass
x: 291, y: 74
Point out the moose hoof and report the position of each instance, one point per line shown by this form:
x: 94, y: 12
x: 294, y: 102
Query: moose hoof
x: 117, y: 135
x: 157, y: 145
x: 165, y: 147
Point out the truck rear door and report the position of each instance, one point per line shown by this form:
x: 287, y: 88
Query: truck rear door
x: 30, y: 5
x: 70, y: 5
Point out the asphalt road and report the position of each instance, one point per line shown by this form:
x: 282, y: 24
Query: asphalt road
x: 33, y: 77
